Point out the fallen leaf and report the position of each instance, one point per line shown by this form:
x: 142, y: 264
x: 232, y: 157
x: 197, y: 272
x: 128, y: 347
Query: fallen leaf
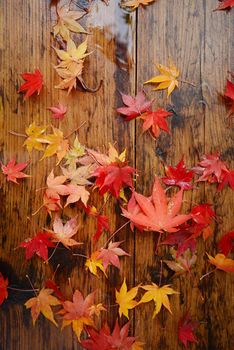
x: 56, y: 145
x: 226, y: 243
x: 111, y: 178
x: 93, y: 264
x: 227, y: 178
x: 211, y: 168
x: 33, y: 83
x: 178, y: 176
x: 135, y: 106
x: 50, y: 284
x: 56, y: 185
x: 58, y: 112
x: 34, y: 132
x: 133, y: 4
x: 97, y: 340
x: 221, y: 262
x: 111, y: 255
x: 77, y: 312
x: 186, y: 328
x: 183, y: 239
x: 102, y: 221
x: 181, y: 262
x: 96, y: 309
x: 159, y: 295
x: 67, y: 21
x: 77, y: 193
x: 157, y: 214
x: 37, y: 245
x: 167, y: 78
x: 75, y: 152
x: 78, y: 176
x: 3, y: 288
x: 42, y: 304
x: 225, y: 5
x: 124, y: 299
x: 119, y: 338
x: 13, y: 170
x: 63, y: 232
x: 51, y: 201
x: 156, y: 120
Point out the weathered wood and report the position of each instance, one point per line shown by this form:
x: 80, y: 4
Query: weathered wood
x: 126, y: 47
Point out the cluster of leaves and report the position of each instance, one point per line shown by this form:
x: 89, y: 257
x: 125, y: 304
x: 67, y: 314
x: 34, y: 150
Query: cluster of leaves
x: 83, y: 170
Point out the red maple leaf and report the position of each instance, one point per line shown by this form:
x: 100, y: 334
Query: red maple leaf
x: 97, y: 340
x: 113, y: 177
x: 102, y: 221
x: 227, y: 178
x: 58, y: 112
x: 178, y: 176
x: 211, y: 168
x: 186, y: 328
x: 156, y: 120
x: 111, y: 255
x: 3, y: 288
x: 158, y: 213
x: 13, y: 170
x: 225, y: 5
x: 52, y: 285
x: 135, y: 105
x: 33, y: 83
x: 226, y: 244
x: 37, y: 245
x: 203, y: 214
x: 119, y: 338
x: 182, y: 239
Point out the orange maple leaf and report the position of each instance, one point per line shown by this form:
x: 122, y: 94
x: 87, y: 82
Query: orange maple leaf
x: 221, y: 262
x: 42, y: 304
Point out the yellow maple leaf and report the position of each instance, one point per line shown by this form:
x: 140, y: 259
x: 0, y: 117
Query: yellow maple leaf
x: 114, y: 156
x: 125, y: 299
x: 96, y: 309
x: 93, y: 264
x: 133, y: 4
x: 42, y: 304
x: 78, y: 325
x: 159, y: 295
x: 167, y: 78
x: 137, y: 345
x: 34, y: 132
x: 78, y: 150
x: 56, y: 145
x: 67, y: 21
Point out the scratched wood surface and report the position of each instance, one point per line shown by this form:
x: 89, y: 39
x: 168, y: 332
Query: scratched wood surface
x: 126, y: 48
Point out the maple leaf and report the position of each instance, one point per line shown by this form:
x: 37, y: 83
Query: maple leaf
x: 186, y: 328
x: 56, y: 184
x: 135, y: 106
x: 58, y: 112
x: 227, y: 178
x: 63, y: 233
x: 67, y: 22
x: 13, y: 170
x: 183, y: 239
x: 124, y: 299
x: 102, y: 221
x: 34, y: 132
x: 3, y: 288
x: 210, y: 168
x: 159, y: 295
x: 50, y: 284
x: 202, y: 214
x: 51, y: 201
x: 178, y: 176
x: 111, y: 178
x: 226, y: 244
x: 111, y: 255
x: 33, y: 83
x: 158, y: 214
x: 133, y: 4
x: 167, y: 78
x: 76, y: 312
x: 56, y: 145
x: 221, y: 262
x: 96, y: 309
x: 77, y: 193
x: 182, y: 262
x: 75, y: 152
x: 225, y: 5
x: 78, y: 176
x: 229, y: 93
x: 93, y: 263
x: 37, y: 245
x: 156, y: 120
x: 42, y: 304
x: 119, y: 338
x: 97, y: 340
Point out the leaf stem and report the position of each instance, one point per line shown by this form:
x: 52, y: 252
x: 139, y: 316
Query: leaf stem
x: 34, y: 290
x: 114, y: 233
x: 207, y: 274
x: 186, y: 82
x: 22, y: 290
x: 83, y: 256
x: 17, y: 134
x: 83, y: 123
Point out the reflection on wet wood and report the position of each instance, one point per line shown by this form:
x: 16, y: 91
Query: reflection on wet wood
x: 126, y: 48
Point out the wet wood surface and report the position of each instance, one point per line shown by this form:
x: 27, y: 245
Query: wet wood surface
x: 127, y: 46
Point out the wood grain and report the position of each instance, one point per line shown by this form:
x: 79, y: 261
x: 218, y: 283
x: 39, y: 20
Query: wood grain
x: 126, y: 48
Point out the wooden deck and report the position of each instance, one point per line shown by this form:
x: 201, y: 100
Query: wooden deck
x: 127, y: 46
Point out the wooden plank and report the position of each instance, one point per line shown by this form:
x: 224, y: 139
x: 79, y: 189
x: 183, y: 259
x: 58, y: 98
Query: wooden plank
x: 27, y: 46
x: 186, y: 32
